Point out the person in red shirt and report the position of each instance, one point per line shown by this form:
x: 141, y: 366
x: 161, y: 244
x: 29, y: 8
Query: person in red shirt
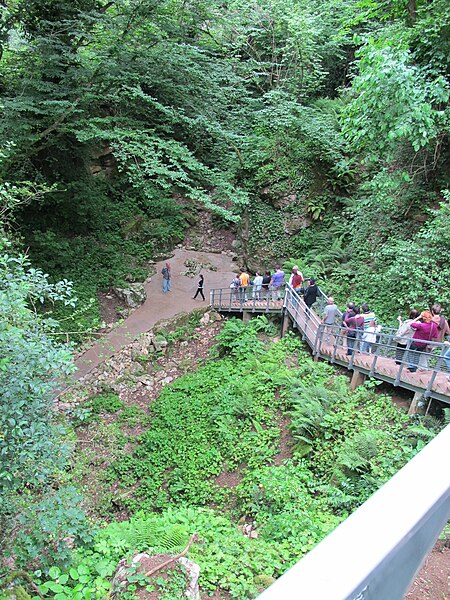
x: 424, y: 331
x: 297, y: 280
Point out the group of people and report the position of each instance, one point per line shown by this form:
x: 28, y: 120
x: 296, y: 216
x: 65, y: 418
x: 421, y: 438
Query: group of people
x: 268, y: 285
x: 261, y: 284
x: 428, y: 326
x: 360, y: 324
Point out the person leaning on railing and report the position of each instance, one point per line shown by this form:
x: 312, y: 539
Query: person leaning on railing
x: 403, y: 334
x: 424, y: 331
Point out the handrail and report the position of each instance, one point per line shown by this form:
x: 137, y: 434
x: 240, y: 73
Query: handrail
x: 384, y: 358
x: 376, y: 552
x: 249, y: 297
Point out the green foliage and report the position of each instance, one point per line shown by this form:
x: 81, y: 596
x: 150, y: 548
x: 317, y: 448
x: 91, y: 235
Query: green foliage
x: 285, y: 504
x: 238, y: 338
x: 127, y: 116
x: 30, y: 365
x: 49, y: 529
x: 222, y: 415
x: 356, y: 441
x: 106, y: 402
x: 185, y: 332
x: 393, y: 101
x: 310, y: 404
x: 226, y: 417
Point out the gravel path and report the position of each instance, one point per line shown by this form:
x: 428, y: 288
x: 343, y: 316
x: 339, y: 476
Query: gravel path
x: 160, y: 306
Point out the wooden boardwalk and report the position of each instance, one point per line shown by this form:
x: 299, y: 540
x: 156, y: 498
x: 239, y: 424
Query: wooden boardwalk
x: 431, y: 382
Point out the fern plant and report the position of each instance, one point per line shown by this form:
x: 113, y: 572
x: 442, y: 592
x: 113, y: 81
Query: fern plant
x: 308, y: 416
x: 356, y: 454
x: 151, y: 534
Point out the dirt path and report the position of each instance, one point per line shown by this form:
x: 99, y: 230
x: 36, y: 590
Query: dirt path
x: 160, y: 306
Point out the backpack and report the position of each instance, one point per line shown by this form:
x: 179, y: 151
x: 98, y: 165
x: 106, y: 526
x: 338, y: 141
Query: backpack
x: 402, y: 332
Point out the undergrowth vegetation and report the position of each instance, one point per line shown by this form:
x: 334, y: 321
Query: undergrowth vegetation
x: 210, y: 454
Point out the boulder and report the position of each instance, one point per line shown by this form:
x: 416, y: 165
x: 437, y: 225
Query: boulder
x: 205, y: 319
x: 145, y: 563
x: 295, y: 223
x: 214, y: 316
x: 160, y: 344
x: 284, y: 200
x: 168, y: 325
x: 193, y: 571
x: 133, y: 296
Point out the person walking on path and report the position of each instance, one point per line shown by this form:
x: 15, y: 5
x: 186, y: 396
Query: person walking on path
x: 329, y: 318
x: 424, y: 331
x: 166, y: 277
x: 200, y: 286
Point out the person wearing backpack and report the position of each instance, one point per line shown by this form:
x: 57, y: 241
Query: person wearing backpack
x: 234, y: 287
x: 402, y: 335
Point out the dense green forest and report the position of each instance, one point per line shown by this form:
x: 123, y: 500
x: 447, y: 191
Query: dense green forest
x: 316, y: 130
x: 327, y: 120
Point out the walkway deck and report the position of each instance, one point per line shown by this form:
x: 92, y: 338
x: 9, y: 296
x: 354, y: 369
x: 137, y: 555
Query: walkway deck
x: 432, y: 381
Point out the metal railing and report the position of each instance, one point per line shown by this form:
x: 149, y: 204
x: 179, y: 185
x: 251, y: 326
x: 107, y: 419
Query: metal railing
x: 384, y: 359
x: 251, y: 298
x: 422, y: 371
x: 376, y: 552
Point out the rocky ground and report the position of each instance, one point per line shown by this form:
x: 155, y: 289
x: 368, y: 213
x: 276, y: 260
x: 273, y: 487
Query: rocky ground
x: 138, y: 371
x: 433, y: 583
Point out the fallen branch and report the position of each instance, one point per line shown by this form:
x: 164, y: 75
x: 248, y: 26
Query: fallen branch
x: 193, y: 539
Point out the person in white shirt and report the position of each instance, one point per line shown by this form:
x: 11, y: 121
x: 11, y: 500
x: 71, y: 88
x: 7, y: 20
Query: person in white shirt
x: 257, y: 285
